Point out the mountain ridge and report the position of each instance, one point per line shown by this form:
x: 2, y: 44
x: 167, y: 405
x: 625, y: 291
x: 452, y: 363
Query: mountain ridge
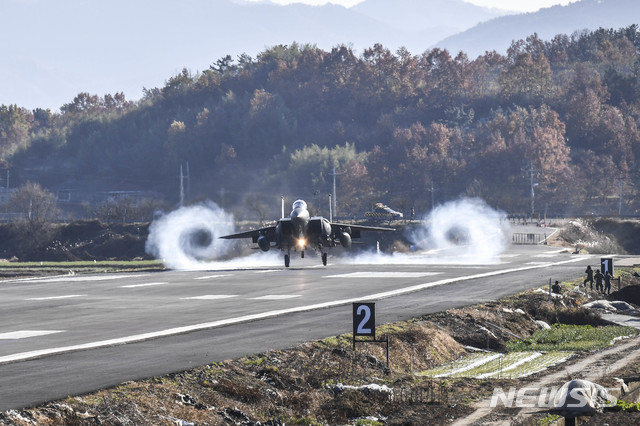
x: 546, y: 23
x: 56, y: 50
x: 69, y: 46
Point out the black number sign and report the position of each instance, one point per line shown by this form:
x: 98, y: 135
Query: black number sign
x: 606, y: 265
x: 364, y: 319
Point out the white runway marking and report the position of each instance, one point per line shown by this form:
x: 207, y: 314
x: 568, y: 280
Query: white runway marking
x: 76, y: 278
x: 24, y: 334
x: 210, y: 297
x: 270, y: 314
x: 384, y: 275
x: 266, y: 271
x: 143, y: 285
x: 556, y: 251
x: 276, y: 297
x: 212, y: 276
x: 57, y: 297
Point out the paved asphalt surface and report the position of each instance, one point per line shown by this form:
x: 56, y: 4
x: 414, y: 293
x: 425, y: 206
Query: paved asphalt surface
x: 74, y: 334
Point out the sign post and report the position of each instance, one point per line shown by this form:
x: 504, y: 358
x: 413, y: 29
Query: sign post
x: 606, y: 265
x: 364, y: 325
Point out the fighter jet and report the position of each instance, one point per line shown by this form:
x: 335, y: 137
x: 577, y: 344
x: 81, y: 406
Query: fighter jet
x: 300, y: 231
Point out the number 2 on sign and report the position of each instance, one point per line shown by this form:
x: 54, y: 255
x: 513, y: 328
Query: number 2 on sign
x: 365, y: 319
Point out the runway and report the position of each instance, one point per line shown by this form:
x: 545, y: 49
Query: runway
x: 69, y: 335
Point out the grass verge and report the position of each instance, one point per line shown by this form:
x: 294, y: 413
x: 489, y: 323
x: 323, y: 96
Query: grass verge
x: 566, y: 337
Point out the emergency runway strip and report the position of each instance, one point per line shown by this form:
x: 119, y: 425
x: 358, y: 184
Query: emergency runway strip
x: 269, y: 314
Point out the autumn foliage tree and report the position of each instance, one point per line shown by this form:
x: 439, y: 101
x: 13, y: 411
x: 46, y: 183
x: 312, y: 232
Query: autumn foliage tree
x: 431, y: 125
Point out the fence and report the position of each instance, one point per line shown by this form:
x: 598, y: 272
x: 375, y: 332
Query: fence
x: 528, y: 238
x: 430, y: 391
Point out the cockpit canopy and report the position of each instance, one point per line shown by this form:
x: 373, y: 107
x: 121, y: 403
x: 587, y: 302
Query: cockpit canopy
x: 299, y: 204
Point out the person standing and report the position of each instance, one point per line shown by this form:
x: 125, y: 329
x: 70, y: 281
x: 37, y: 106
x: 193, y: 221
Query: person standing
x: 607, y: 283
x: 589, y: 278
x: 598, y: 276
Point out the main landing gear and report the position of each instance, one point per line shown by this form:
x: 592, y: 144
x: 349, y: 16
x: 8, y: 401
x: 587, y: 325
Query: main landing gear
x: 287, y: 259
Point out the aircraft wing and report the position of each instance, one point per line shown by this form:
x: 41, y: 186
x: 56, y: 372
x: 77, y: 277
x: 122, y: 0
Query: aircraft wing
x: 356, y: 229
x: 268, y: 231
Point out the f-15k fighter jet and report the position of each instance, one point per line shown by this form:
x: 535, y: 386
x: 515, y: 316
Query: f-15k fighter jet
x: 300, y: 231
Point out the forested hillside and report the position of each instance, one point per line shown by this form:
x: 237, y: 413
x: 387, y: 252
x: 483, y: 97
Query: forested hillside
x: 561, y: 114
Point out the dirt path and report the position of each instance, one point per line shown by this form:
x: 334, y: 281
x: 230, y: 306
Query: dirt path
x: 592, y: 368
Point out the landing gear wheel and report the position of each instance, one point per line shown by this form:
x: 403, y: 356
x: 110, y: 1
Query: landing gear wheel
x: 286, y: 260
x: 302, y: 255
x: 324, y: 259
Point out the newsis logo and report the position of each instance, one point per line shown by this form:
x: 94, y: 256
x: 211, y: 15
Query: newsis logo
x: 552, y: 397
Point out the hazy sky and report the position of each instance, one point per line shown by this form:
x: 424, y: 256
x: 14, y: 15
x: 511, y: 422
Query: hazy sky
x: 515, y: 5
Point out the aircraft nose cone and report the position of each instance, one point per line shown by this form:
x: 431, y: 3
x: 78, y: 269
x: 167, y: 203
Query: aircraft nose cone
x: 300, y: 215
x: 300, y: 219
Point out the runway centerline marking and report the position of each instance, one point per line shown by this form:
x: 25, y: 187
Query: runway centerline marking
x: 212, y: 276
x: 143, y: 285
x: 210, y: 297
x: 24, y: 334
x: 384, y: 275
x: 57, y: 297
x: 276, y: 297
x: 270, y: 314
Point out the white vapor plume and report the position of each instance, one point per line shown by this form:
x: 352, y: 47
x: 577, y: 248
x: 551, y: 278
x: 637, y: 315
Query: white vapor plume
x: 467, y: 229
x: 189, y: 239
x: 461, y: 232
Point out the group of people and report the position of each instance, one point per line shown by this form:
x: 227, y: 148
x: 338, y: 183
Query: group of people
x: 600, y: 279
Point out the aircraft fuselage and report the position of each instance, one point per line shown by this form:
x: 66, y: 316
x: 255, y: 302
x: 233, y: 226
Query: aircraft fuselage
x: 300, y: 230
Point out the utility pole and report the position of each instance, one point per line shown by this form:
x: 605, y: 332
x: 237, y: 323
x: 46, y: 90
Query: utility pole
x: 188, y: 182
x: 330, y: 209
x: 533, y: 184
x: 335, y: 199
x: 181, y: 177
x: 433, y: 190
x: 620, y: 187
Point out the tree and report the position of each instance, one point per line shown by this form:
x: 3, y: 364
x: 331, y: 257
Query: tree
x: 528, y: 79
x: 15, y: 125
x: 38, y: 208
